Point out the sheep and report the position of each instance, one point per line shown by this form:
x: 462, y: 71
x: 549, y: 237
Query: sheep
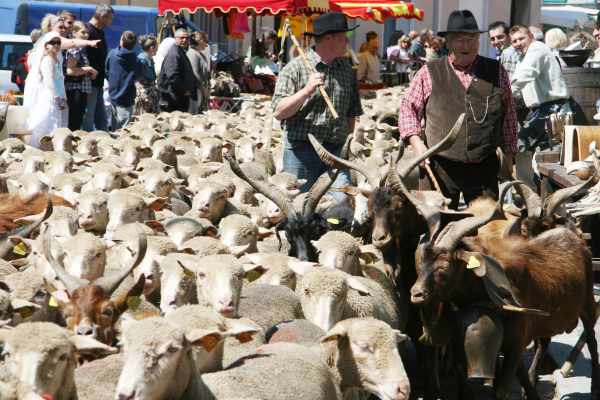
x: 299, y: 331
x: 92, y: 207
x: 273, y: 268
x: 205, y: 246
x: 182, y: 229
x: 177, y: 284
x: 84, y: 255
x: 97, y: 379
x: 126, y: 207
x: 239, y: 234
x: 268, y: 305
x: 42, y: 355
x: 60, y: 140
x: 158, y: 363
x: 29, y: 297
x: 330, y: 295
x: 339, y: 250
x: 210, y: 201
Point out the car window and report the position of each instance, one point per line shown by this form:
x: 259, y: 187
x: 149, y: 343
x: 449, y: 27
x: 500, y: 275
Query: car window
x: 11, y: 52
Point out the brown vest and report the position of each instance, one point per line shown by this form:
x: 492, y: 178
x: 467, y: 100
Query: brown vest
x: 482, y: 103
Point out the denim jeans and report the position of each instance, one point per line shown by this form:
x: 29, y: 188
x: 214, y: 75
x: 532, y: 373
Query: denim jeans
x: 120, y: 116
x: 95, y: 114
x: 301, y: 160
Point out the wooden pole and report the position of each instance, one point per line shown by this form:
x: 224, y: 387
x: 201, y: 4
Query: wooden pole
x: 312, y: 70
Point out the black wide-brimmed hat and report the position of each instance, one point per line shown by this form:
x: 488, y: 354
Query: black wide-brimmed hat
x: 461, y: 21
x: 331, y: 22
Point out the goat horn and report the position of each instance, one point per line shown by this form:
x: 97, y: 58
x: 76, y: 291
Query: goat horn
x: 560, y: 196
x: 322, y: 185
x: 455, y: 231
x: 110, y: 283
x: 23, y: 231
x: 339, y: 163
x: 269, y: 191
x: 71, y: 282
x: 442, y: 145
x: 517, y: 185
x: 533, y: 202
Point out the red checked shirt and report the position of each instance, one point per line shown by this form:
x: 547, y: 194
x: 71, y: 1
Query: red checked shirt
x: 413, y: 104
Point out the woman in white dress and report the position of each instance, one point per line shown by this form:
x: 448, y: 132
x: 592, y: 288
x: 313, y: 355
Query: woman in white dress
x: 48, y: 110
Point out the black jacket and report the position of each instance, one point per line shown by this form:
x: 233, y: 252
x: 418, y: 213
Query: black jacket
x: 176, y: 78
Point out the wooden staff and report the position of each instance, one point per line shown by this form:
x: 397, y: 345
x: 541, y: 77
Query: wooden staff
x: 312, y: 70
x: 432, y: 177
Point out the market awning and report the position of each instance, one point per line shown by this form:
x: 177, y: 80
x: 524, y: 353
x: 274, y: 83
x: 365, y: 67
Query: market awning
x: 377, y: 10
x: 242, y: 6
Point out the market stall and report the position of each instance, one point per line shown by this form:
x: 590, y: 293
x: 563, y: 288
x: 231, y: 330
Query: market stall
x: 377, y: 10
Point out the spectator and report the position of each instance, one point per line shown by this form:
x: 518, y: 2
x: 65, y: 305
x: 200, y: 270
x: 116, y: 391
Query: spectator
x: 393, y: 43
x: 95, y: 115
x: 45, y: 87
x: 45, y: 24
x: 539, y: 82
x: 586, y: 41
x: 268, y: 40
x: 147, y: 94
x: 78, y: 80
x: 368, y: 60
x: 505, y: 53
x: 69, y: 19
x: 537, y: 33
x: 433, y: 52
x: 176, y: 81
x: 412, y: 35
x: 417, y: 51
x: 401, y: 58
x: 261, y: 65
x: 201, y: 67
x: 557, y: 40
x: 21, y: 69
x: 596, y: 56
x: 121, y: 71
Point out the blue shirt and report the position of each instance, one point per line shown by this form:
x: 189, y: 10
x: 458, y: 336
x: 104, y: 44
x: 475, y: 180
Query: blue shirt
x: 147, y: 71
x: 122, y: 69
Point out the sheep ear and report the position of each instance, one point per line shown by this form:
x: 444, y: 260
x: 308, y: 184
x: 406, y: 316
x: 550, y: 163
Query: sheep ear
x: 156, y: 204
x: 239, y: 250
x: 91, y: 347
x: 330, y: 343
x: 368, y: 255
x: 156, y: 225
x: 357, y: 285
x: 301, y: 267
x: 242, y: 330
x: 315, y: 243
x: 132, y: 296
x: 207, y: 339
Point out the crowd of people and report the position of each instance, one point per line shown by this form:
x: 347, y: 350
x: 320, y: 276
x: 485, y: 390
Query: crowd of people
x: 73, y: 80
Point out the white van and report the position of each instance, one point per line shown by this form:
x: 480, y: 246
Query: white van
x: 12, y: 48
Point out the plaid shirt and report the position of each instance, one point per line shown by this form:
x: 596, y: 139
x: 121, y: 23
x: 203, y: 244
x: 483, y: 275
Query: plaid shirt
x: 414, y: 101
x: 81, y: 83
x: 314, y: 116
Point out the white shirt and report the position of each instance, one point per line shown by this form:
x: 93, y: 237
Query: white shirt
x: 538, y: 77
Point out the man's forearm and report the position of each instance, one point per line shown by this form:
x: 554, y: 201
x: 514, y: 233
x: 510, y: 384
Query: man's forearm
x: 290, y: 105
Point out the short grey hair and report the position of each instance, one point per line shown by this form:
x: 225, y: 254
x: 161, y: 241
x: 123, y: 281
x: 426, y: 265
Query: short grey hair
x: 179, y: 31
x: 102, y: 10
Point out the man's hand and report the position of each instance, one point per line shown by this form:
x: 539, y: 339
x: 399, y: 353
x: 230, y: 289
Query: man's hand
x: 419, y: 148
x: 315, y: 80
x: 93, y: 43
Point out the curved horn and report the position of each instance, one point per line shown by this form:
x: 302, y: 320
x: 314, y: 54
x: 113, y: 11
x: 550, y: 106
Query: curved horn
x: 505, y: 190
x: 442, y: 145
x: 533, y: 202
x: 456, y: 230
x: 339, y: 163
x: 322, y: 185
x: 71, y: 282
x: 110, y: 283
x: 269, y: 191
x: 562, y: 195
x: 23, y: 231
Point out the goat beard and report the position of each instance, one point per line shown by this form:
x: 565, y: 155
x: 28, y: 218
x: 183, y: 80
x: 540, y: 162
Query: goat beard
x: 438, y: 328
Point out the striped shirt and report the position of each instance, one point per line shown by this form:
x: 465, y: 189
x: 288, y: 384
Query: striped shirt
x: 82, y: 83
x: 314, y: 116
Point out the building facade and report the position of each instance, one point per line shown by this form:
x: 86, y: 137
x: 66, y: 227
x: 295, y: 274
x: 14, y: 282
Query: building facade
x: 140, y: 3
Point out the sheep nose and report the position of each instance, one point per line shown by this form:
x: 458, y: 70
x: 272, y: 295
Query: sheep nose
x: 126, y: 396
x: 402, y: 391
x: 417, y: 295
x: 85, y: 330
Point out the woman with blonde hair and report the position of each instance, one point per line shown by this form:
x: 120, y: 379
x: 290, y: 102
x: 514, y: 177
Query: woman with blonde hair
x: 556, y: 39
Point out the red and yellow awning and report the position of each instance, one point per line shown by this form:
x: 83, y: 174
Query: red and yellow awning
x: 376, y: 10
x: 255, y: 6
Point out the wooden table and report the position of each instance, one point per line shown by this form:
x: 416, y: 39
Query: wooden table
x: 555, y: 176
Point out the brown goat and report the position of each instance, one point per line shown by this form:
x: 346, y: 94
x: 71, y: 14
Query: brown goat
x: 13, y: 207
x: 88, y: 308
x: 550, y: 274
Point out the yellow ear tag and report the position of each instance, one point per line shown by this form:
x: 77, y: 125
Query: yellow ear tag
x: 133, y: 302
x: 52, y: 302
x: 251, y: 276
x: 333, y: 221
x: 473, y: 263
x: 20, y: 249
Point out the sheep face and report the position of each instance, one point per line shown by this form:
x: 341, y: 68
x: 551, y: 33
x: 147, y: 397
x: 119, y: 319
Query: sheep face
x: 210, y: 201
x: 84, y: 255
x: 92, y: 208
x: 211, y: 149
x: 41, y: 356
x: 219, y: 281
x: 107, y: 177
x: 339, y: 250
x: 239, y: 234
x: 58, y: 162
x: 157, y: 182
x: 177, y: 285
x: 369, y: 348
x: 125, y: 208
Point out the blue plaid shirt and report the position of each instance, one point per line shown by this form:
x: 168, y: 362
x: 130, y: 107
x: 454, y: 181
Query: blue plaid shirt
x: 314, y: 116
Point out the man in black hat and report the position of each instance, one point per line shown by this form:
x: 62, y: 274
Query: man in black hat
x: 462, y: 82
x: 302, y: 110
